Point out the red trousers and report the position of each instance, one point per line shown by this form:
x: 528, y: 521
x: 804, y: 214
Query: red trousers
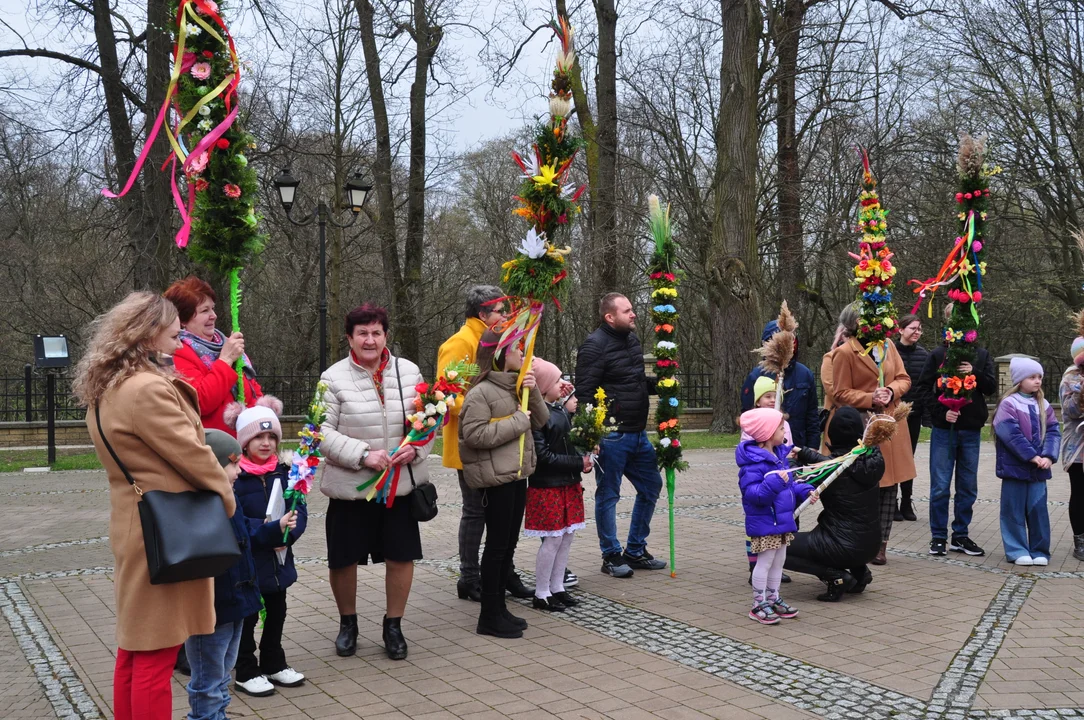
x: 141, y: 689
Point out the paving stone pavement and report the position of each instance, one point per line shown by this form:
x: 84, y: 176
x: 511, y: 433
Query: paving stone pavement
x: 948, y: 638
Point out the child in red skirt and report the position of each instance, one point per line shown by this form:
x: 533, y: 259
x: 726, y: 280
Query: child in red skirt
x: 554, y: 493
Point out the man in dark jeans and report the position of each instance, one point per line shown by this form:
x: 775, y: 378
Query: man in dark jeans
x: 612, y: 358
x: 954, y: 445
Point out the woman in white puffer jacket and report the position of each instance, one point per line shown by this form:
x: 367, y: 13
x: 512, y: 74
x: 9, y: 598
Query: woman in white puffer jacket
x: 369, y: 393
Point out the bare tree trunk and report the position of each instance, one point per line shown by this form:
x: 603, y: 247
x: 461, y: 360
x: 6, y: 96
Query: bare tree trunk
x: 152, y: 269
x: 382, y: 180
x: 604, y: 193
x: 733, y: 258
x: 426, y: 38
x: 786, y: 35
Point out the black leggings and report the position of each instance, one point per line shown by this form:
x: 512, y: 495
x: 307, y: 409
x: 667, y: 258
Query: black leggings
x: 504, y: 507
x: 802, y: 559
x: 272, y: 658
x: 1076, y: 498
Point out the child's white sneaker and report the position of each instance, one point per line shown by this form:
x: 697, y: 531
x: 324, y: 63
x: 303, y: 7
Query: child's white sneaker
x: 764, y: 614
x: 287, y: 678
x: 1024, y: 561
x: 258, y: 686
x: 1040, y: 561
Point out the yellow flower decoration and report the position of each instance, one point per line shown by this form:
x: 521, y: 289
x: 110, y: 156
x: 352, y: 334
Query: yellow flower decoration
x: 547, y: 175
x: 600, y: 396
x: 667, y: 382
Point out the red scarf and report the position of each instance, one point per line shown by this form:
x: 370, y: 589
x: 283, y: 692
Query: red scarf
x: 257, y: 469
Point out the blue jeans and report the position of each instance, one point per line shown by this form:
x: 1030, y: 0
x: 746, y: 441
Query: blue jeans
x: 1025, y: 522
x: 212, y: 658
x: 959, y: 450
x: 633, y: 455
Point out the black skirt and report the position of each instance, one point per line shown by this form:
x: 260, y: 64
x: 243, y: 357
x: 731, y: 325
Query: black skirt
x: 358, y: 530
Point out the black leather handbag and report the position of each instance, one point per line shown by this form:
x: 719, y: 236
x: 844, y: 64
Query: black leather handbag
x: 423, y: 498
x: 187, y: 535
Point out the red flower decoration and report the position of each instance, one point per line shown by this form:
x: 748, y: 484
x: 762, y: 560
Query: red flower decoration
x: 222, y: 143
x: 200, y: 185
x: 976, y: 296
x: 421, y: 388
x: 208, y: 54
x: 959, y: 197
x: 312, y: 461
x: 232, y: 191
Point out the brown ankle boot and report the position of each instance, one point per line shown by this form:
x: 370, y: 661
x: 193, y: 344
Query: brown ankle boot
x: 881, y: 559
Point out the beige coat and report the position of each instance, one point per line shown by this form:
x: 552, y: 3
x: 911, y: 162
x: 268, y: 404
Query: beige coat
x: 854, y: 378
x: 153, y: 424
x: 490, y: 425
x: 357, y: 421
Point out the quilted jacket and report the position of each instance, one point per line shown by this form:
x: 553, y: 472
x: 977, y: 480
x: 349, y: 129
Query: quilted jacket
x: 490, y: 425
x: 1017, y: 438
x: 358, y: 419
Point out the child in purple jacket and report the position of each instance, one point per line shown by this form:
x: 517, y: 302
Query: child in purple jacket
x: 769, y: 499
x: 1027, y: 440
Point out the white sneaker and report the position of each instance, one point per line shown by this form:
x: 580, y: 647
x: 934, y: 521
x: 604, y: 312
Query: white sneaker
x: 258, y: 686
x: 1040, y: 561
x: 287, y: 678
x: 1024, y: 561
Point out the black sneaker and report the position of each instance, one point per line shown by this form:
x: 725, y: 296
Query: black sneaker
x: 643, y: 562
x: 570, y: 579
x: 937, y: 547
x: 615, y: 566
x: 966, y: 545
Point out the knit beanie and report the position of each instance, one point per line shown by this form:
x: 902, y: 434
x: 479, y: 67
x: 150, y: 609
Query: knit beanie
x: 761, y: 423
x: 764, y: 384
x: 225, y: 447
x: 845, y: 430
x: 1023, y: 367
x: 260, y: 418
x: 1078, y: 351
x: 546, y: 375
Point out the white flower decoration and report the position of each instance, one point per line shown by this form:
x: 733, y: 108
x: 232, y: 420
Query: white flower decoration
x: 534, y: 245
x: 666, y: 345
x: 665, y: 442
x: 194, y: 30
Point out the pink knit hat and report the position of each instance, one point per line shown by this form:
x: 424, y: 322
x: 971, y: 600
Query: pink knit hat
x: 262, y: 417
x: 546, y: 375
x: 761, y: 423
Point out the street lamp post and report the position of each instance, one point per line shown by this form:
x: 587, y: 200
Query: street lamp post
x: 356, y: 190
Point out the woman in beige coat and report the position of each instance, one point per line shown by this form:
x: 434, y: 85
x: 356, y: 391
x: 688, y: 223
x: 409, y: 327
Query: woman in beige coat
x: 370, y: 392
x: 856, y: 381
x: 151, y: 418
x: 490, y: 427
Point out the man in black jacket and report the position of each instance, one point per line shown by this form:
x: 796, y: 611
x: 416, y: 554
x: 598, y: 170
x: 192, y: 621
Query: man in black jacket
x: 954, y: 445
x: 612, y: 358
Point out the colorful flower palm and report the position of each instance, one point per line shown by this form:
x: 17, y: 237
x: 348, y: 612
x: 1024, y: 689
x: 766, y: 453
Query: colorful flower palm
x: 963, y: 272
x: 664, y: 276
x: 307, y: 456
x: 874, y: 272
x: 430, y: 413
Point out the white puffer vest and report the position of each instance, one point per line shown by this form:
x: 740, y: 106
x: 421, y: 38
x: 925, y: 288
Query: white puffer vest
x: 358, y: 421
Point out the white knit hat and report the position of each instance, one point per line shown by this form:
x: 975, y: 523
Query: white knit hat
x: 258, y: 419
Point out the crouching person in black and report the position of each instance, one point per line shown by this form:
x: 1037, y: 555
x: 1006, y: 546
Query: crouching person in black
x: 848, y: 531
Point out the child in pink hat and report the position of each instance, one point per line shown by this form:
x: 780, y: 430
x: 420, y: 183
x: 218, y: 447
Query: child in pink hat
x: 769, y: 499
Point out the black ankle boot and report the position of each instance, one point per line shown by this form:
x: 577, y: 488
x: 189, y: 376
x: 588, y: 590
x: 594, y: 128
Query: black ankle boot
x: 347, y: 642
x: 515, y: 620
x: 468, y: 590
x: 515, y: 587
x: 862, y: 579
x: 394, y: 642
x: 491, y: 621
x: 838, y: 584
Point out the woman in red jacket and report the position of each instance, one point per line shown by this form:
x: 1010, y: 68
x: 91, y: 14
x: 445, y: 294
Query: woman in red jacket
x: 207, y: 357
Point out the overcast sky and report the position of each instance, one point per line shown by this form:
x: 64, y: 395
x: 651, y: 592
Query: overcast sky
x: 465, y: 122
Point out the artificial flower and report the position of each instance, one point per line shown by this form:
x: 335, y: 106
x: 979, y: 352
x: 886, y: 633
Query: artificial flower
x: 547, y: 176
x: 212, y: 6
x: 666, y: 345
x: 222, y: 143
x: 193, y: 30
x: 201, y: 71
x: 534, y: 245
x: 231, y: 190
x: 673, y: 402
x: 204, y: 110
x: 199, y: 163
x: 241, y: 160
x: 204, y: 125
x: 200, y: 185
x: 969, y: 382
x: 665, y: 442
x: 421, y: 388
x: 559, y: 107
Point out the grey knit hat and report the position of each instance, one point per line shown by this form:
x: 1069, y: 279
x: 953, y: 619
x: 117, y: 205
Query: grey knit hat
x: 225, y: 446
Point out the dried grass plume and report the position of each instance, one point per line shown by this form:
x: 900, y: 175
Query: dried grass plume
x: 971, y: 156
x: 882, y: 427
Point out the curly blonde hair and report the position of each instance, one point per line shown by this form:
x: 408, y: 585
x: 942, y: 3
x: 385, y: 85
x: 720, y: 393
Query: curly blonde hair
x: 121, y: 345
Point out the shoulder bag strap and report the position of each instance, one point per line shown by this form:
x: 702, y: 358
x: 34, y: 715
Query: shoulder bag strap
x: 399, y: 383
x: 112, y: 452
